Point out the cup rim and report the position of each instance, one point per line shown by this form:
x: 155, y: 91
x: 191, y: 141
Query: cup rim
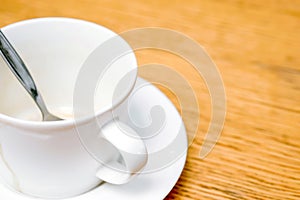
x: 67, y: 122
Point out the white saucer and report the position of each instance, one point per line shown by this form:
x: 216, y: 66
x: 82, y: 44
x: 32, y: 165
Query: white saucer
x: 167, y: 151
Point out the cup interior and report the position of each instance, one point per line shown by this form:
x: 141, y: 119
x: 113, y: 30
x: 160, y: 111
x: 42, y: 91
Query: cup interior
x: 55, y: 50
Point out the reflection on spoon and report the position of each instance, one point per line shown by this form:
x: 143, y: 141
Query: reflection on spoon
x: 19, y: 69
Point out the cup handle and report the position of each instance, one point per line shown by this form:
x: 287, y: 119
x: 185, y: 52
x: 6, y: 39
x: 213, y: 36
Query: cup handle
x: 133, y: 153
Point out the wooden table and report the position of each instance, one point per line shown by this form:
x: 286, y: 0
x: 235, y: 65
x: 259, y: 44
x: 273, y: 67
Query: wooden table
x: 256, y: 46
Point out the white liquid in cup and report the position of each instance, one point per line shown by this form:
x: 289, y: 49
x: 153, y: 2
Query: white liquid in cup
x: 32, y: 115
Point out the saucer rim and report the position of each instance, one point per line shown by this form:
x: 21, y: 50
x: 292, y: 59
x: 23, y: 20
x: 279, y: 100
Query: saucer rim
x: 176, y: 166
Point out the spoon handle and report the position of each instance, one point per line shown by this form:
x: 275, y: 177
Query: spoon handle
x: 17, y: 66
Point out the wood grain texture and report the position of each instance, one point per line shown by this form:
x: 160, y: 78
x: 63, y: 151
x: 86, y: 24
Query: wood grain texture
x: 256, y: 46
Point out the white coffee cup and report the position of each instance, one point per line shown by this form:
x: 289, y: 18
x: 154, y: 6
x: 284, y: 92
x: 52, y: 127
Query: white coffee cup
x: 50, y: 159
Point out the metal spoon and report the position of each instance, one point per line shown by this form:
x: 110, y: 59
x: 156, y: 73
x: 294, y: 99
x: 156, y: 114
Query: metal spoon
x: 19, y: 69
